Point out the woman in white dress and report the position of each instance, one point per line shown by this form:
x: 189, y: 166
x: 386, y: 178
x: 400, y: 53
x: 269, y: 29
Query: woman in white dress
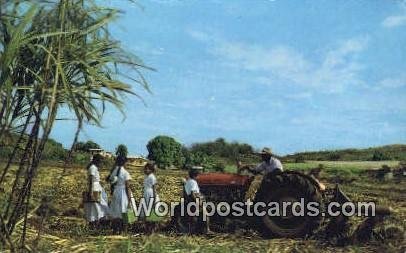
x: 150, y: 196
x: 122, y: 199
x: 95, y: 211
x: 149, y: 187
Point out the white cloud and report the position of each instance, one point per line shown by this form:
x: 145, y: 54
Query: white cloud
x: 198, y: 35
x: 393, y: 21
x: 148, y: 49
x: 337, y: 56
x: 392, y: 82
x: 299, y: 96
x: 340, y: 67
x: 396, y: 20
x: 337, y: 69
x: 281, y: 59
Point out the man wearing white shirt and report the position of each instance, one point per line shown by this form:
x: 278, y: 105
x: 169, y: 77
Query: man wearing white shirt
x: 191, y: 186
x: 269, y: 164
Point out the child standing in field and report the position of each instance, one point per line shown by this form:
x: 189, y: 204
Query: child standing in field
x: 149, y: 187
x: 122, y: 200
x: 193, y: 194
x: 95, y: 209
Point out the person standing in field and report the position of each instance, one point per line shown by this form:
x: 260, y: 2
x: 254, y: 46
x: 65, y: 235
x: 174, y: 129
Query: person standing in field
x: 192, y: 189
x: 192, y: 192
x: 149, y: 193
x: 122, y: 199
x: 96, y: 204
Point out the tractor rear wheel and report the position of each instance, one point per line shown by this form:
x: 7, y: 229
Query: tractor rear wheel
x: 289, y: 187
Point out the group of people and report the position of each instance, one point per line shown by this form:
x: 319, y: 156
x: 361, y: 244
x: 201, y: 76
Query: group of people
x: 98, y: 208
x: 122, y: 200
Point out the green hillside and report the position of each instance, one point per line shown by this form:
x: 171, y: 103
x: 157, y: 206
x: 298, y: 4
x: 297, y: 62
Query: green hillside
x: 382, y: 153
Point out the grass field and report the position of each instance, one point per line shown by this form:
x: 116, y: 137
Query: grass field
x: 67, y: 231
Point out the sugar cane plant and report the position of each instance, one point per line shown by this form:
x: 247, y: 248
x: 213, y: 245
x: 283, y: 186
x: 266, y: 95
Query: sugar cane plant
x: 55, y: 56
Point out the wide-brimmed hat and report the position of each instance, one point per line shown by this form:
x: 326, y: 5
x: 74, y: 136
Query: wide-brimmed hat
x: 198, y: 168
x: 265, y: 151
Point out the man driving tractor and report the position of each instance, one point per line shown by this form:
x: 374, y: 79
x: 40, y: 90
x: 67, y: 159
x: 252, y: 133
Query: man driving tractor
x: 269, y: 164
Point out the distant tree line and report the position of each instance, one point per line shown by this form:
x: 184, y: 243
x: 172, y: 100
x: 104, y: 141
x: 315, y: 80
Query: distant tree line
x: 213, y: 155
x: 216, y: 155
x: 221, y: 148
x: 167, y: 152
x: 54, y: 151
x: 383, y: 153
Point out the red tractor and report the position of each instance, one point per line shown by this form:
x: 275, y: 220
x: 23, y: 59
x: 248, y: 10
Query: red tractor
x: 288, y: 186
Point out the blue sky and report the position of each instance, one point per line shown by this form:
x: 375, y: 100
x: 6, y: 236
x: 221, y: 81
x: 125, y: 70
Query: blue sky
x: 291, y: 75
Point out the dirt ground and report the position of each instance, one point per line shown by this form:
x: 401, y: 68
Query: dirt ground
x: 66, y: 231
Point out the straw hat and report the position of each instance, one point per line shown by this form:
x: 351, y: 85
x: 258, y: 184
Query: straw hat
x: 266, y: 151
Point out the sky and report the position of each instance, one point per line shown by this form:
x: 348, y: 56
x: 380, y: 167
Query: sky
x: 290, y: 75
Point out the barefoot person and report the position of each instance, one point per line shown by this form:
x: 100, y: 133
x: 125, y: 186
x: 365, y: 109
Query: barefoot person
x: 95, y: 204
x: 122, y: 200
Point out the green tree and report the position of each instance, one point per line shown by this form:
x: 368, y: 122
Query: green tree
x: 85, y: 146
x: 379, y: 156
x: 300, y: 159
x: 199, y: 159
x: 334, y: 156
x: 54, y: 151
x: 221, y: 148
x: 54, y: 55
x: 219, y: 167
x: 121, y: 150
x: 165, y: 151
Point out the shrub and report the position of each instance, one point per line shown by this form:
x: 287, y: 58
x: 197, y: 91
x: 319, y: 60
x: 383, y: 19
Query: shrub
x: 81, y: 158
x: 121, y: 150
x: 219, y: 167
x: 85, y: 146
x: 379, y: 156
x: 165, y: 151
x: 299, y: 159
x: 221, y: 148
x: 334, y: 156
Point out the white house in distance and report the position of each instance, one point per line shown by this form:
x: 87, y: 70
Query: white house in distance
x: 136, y: 160
x: 100, y: 151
